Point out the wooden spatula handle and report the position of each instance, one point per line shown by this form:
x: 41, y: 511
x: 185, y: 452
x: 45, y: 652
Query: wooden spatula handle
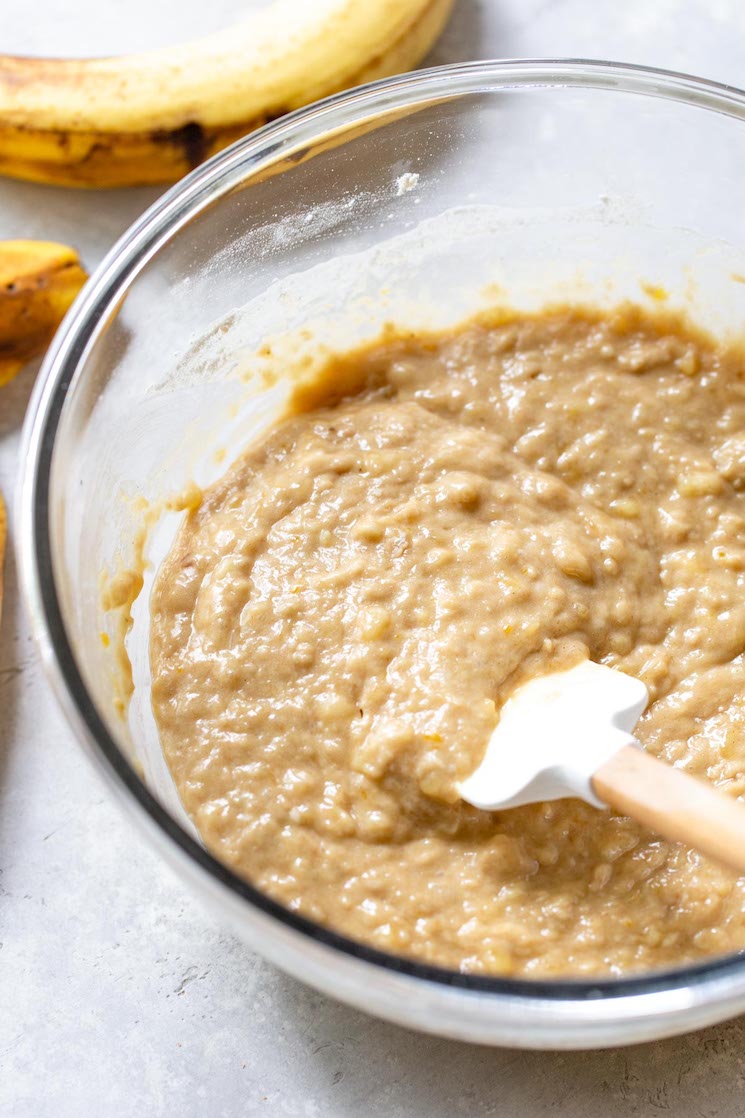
x: 674, y: 804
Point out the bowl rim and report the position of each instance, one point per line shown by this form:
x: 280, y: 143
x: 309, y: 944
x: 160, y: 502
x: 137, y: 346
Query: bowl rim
x: 63, y: 362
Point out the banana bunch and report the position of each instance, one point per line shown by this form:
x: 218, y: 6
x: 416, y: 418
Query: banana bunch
x: 151, y: 117
x: 38, y: 282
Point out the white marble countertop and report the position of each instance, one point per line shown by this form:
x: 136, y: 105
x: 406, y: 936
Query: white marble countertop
x: 119, y: 995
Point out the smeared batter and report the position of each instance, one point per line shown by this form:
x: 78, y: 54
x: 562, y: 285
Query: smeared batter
x: 339, y: 621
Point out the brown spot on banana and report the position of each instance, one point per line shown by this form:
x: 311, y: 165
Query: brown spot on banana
x: 193, y: 140
x: 150, y: 118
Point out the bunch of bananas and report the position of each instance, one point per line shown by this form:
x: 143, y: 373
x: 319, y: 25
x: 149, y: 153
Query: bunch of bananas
x: 151, y: 117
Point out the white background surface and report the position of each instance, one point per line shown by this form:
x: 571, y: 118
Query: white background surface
x: 117, y: 995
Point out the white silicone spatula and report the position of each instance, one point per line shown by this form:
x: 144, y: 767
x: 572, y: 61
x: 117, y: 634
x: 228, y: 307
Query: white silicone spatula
x: 569, y: 734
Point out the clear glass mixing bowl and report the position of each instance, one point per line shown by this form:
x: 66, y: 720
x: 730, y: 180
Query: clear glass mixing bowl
x: 416, y: 200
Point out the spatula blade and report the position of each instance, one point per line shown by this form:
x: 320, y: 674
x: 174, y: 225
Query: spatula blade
x: 554, y: 732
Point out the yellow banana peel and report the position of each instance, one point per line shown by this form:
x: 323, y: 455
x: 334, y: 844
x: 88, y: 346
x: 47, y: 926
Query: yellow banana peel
x: 153, y: 116
x: 38, y: 282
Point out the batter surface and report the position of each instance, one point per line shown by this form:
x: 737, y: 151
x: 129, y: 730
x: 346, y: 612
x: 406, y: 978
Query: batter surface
x: 338, y: 623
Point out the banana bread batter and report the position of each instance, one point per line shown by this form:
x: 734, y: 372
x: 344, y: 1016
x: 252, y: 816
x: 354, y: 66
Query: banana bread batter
x: 338, y: 623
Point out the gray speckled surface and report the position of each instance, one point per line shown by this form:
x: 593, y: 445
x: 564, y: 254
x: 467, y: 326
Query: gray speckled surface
x: 118, y: 995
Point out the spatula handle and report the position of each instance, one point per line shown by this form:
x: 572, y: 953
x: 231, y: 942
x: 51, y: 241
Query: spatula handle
x: 674, y: 804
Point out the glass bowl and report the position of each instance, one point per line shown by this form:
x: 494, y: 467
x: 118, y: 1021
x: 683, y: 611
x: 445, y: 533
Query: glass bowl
x: 416, y: 200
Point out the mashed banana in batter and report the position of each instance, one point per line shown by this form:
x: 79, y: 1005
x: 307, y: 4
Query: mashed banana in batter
x: 442, y: 517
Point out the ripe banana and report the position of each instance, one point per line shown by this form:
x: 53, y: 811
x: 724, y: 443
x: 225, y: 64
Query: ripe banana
x: 151, y: 117
x: 38, y: 282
